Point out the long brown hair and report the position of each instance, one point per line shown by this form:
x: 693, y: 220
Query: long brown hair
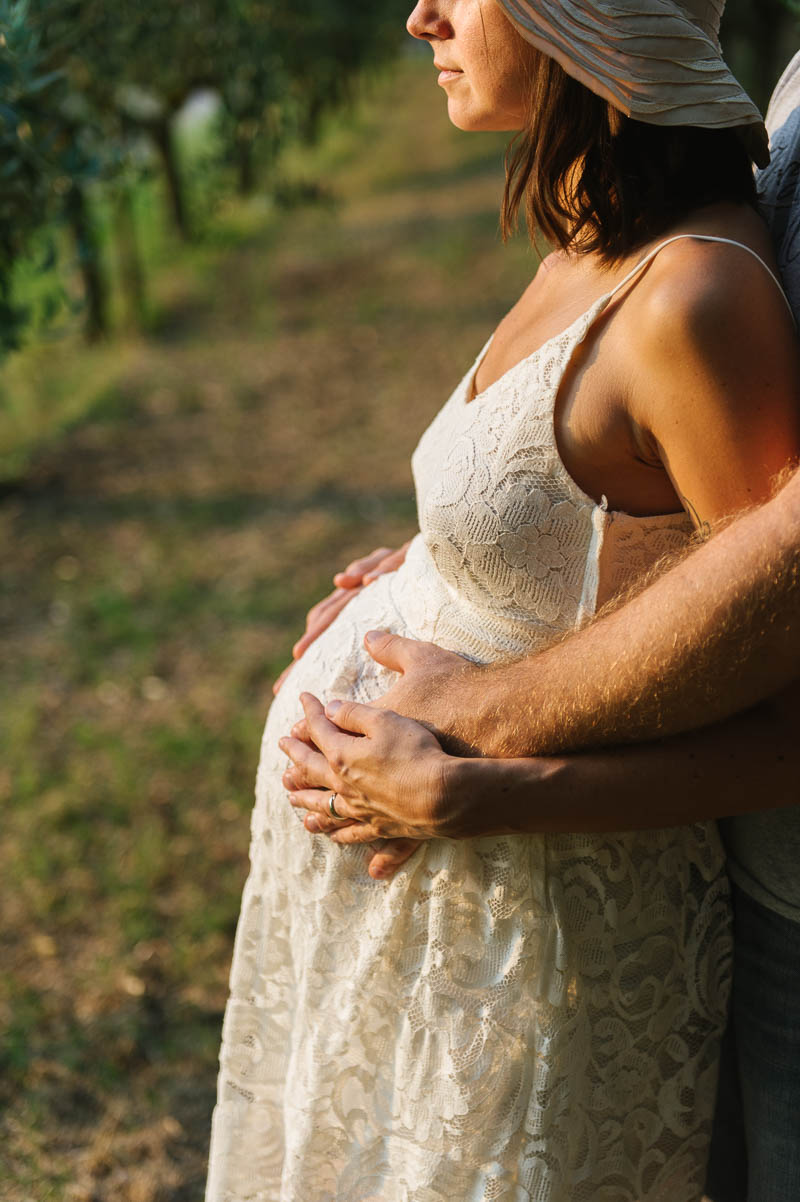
x: 589, y: 179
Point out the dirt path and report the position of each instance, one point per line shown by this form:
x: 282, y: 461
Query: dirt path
x: 155, y: 571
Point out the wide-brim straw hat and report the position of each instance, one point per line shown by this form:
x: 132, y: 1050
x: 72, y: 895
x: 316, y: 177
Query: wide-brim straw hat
x: 658, y: 61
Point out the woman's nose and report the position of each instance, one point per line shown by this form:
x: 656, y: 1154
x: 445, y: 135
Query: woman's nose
x: 428, y: 21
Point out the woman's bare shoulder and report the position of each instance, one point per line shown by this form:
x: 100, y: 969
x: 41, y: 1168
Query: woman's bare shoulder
x: 710, y: 293
x: 715, y: 370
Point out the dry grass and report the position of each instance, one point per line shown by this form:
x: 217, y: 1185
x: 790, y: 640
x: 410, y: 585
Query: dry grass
x: 156, y: 568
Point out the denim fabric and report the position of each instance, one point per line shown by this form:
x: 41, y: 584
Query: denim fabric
x: 755, y: 1153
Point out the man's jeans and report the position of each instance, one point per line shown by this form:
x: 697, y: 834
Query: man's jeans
x: 755, y: 1150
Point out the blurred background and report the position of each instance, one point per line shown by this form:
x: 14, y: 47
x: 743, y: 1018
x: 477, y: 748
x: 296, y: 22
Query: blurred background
x: 243, y: 259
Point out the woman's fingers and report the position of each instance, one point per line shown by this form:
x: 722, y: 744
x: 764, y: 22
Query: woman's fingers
x: 317, y: 611
x: 391, y: 856
x: 317, y: 823
x: 329, y: 737
x: 387, y: 729
x: 352, y: 756
x: 300, y: 731
x: 277, y: 684
x: 389, y: 564
x: 354, y: 573
x: 351, y: 716
x: 357, y: 832
x: 317, y: 803
x: 320, y: 617
x: 388, y: 854
x: 311, y: 769
x: 348, y: 584
x: 308, y: 773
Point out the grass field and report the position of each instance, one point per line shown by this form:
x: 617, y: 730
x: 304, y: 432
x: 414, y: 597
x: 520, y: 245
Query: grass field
x: 183, y: 500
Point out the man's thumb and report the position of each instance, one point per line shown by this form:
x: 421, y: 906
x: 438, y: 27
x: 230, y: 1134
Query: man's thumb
x: 391, y: 650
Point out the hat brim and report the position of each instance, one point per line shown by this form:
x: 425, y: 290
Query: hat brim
x: 652, y: 63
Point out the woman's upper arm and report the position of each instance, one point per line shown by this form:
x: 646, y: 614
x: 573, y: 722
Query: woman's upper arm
x: 718, y: 381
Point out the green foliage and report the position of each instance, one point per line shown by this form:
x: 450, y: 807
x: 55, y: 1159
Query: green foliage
x: 41, y: 150
x: 85, y: 81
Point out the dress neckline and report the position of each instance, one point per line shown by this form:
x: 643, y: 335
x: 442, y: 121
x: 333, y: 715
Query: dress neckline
x: 590, y: 315
x: 602, y: 506
x: 470, y: 399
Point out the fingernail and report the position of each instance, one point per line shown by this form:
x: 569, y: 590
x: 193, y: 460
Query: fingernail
x: 370, y: 635
x: 282, y: 743
x: 332, y: 708
x: 312, y: 825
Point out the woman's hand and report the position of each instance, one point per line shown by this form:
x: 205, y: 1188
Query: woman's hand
x: 349, y: 583
x: 363, y: 571
x: 353, y: 756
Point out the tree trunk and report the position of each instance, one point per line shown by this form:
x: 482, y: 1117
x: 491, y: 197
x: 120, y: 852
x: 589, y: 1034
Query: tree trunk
x: 162, y: 134
x: 130, y: 259
x: 90, y: 263
x: 245, y: 166
x: 312, y: 118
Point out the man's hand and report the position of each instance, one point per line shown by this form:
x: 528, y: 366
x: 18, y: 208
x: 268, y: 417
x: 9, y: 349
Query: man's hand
x: 349, y: 584
x: 438, y: 688
x: 388, y: 773
x: 430, y: 681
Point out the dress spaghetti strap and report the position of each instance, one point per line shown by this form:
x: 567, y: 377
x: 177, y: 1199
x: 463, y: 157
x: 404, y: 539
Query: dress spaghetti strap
x: 701, y: 238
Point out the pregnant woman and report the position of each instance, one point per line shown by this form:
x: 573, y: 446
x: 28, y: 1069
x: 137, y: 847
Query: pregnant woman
x: 531, y: 1018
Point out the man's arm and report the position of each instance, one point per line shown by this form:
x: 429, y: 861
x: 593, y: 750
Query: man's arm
x: 393, y: 781
x: 717, y: 633
x: 748, y: 762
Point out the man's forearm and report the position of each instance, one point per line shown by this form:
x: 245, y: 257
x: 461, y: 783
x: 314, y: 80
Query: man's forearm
x: 715, y: 634
x: 751, y: 761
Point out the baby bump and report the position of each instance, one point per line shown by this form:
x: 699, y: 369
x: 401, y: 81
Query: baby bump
x: 336, y: 665
x: 569, y: 903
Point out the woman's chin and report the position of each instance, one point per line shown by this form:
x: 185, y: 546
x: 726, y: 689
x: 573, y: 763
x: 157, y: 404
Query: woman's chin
x: 466, y: 121
x: 472, y: 121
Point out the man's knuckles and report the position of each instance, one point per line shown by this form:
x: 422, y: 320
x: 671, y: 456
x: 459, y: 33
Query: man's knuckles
x: 339, y: 764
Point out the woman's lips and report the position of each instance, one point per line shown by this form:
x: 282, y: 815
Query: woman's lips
x: 446, y: 74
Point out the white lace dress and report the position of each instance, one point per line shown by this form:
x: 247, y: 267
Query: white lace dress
x: 531, y: 1018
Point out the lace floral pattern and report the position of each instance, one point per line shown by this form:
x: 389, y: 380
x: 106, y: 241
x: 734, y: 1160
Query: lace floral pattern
x: 530, y: 1019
